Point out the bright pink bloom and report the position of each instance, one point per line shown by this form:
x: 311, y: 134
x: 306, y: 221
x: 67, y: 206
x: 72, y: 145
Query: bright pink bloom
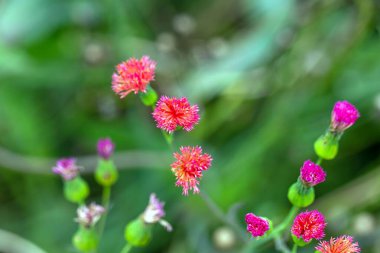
x: 189, y: 166
x: 133, y: 75
x: 343, y: 116
x: 312, y: 174
x: 67, y: 168
x: 256, y: 225
x: 309, y: 225
x: 105, y: 148
x: 342, y: 244
x: 171, y: 113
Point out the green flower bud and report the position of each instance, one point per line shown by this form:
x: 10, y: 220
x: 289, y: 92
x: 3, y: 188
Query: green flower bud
x: 301, y: 195
x: 76, y: 190
x: 137, y: 233
x: 85, y: 240
x: 299, y: 241
x: 149, y: 98
x: 327, y: 145
x: 106, y: 173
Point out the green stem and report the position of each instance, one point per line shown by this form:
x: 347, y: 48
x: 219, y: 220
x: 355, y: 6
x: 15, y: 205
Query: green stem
x: 105, y: 203
x: 126, y: 248
x: 215, y: 209
x: 320, y: 160
x: 168, y: 138
x: 277, y: 231
x: 294, y: 250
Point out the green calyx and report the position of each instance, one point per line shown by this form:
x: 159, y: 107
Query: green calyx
x: 327, y: 145
x: 137, y: 233
x: 106, y: 173
x: 301, y: 195
x: 85, y: 239
x: 149, y: 98
x: 299, y: 241
x: 76, y: 190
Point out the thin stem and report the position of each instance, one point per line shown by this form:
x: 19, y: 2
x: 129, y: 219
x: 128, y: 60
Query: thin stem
x: 105, y: 203
x: 126, y: 248
x: 168, y: 138
x: 320, y: 160
x: 215, y: 209
x: 294, y: 250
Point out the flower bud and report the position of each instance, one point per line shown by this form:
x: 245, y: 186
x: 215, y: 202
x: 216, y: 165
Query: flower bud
x: 258, y: 226
x: 327, y: 145
x: 76, y: 190
x: 300, y: 195
x: 138, y: 233
x: 106, y: 173
x: 149, y: 98
x: 105, y: 148
x: 85, y: 240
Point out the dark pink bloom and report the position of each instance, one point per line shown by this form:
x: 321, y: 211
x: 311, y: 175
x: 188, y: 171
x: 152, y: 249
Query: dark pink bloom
x: 256, y: 225
x: 189, y: 167
x: 133, y: 75
x: 67, y: 168
x: 171, y: 113
x: 343, y: 116
x: 312, y: 174
x: 342, y: 244
x: 309, y: 225
x: 105, y: 148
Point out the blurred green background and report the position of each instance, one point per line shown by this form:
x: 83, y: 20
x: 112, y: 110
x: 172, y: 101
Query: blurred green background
x: 265, y: 73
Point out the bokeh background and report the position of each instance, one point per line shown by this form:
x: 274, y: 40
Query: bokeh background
x: 265, y: 73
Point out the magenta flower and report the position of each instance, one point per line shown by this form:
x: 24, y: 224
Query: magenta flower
x: 154, y: 213
x: 171, y: 113
x: 342, y: 244
x: 105, y: 148
x: 189, y: 166
x: 133, y: 75
x: 343, y: 116
x: 67, y: 168
x: 309, y: 225
x: 312, y: 174
x: 89, y: 215
x: 256, y: 225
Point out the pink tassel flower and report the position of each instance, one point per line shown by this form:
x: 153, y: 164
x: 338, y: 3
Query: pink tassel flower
x: 105, y: 148
x: 133, y: 75
x: 343, y: 116
x: 342, y: 244
x: 312, y: 174
x: 171, y: 113
x: 189, y: 166
x: 67, y: 168
x: 309, y: 225
x: 256, y: 225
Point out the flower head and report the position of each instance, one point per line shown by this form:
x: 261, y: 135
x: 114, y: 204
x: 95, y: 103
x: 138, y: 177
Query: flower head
x: 256, y: 225
x: 171, y: 113
x: 189, y: 166
x: 105, y: 148
x: 309, y: 225
x: 154, y: 212
x: 89, y: 215
x: 343, y: 116
x: 312, y: 174
x: 133, y: 75
x: 67, y: 168
x: 342, y: 244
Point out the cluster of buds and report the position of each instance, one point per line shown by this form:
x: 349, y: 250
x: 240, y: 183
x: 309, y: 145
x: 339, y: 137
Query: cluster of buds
x: 343, y: 116
x: 301, y: 194
x: 75, y: 188
x: 106, y: 173
x: 86, y: 238
x: 138, y: 232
